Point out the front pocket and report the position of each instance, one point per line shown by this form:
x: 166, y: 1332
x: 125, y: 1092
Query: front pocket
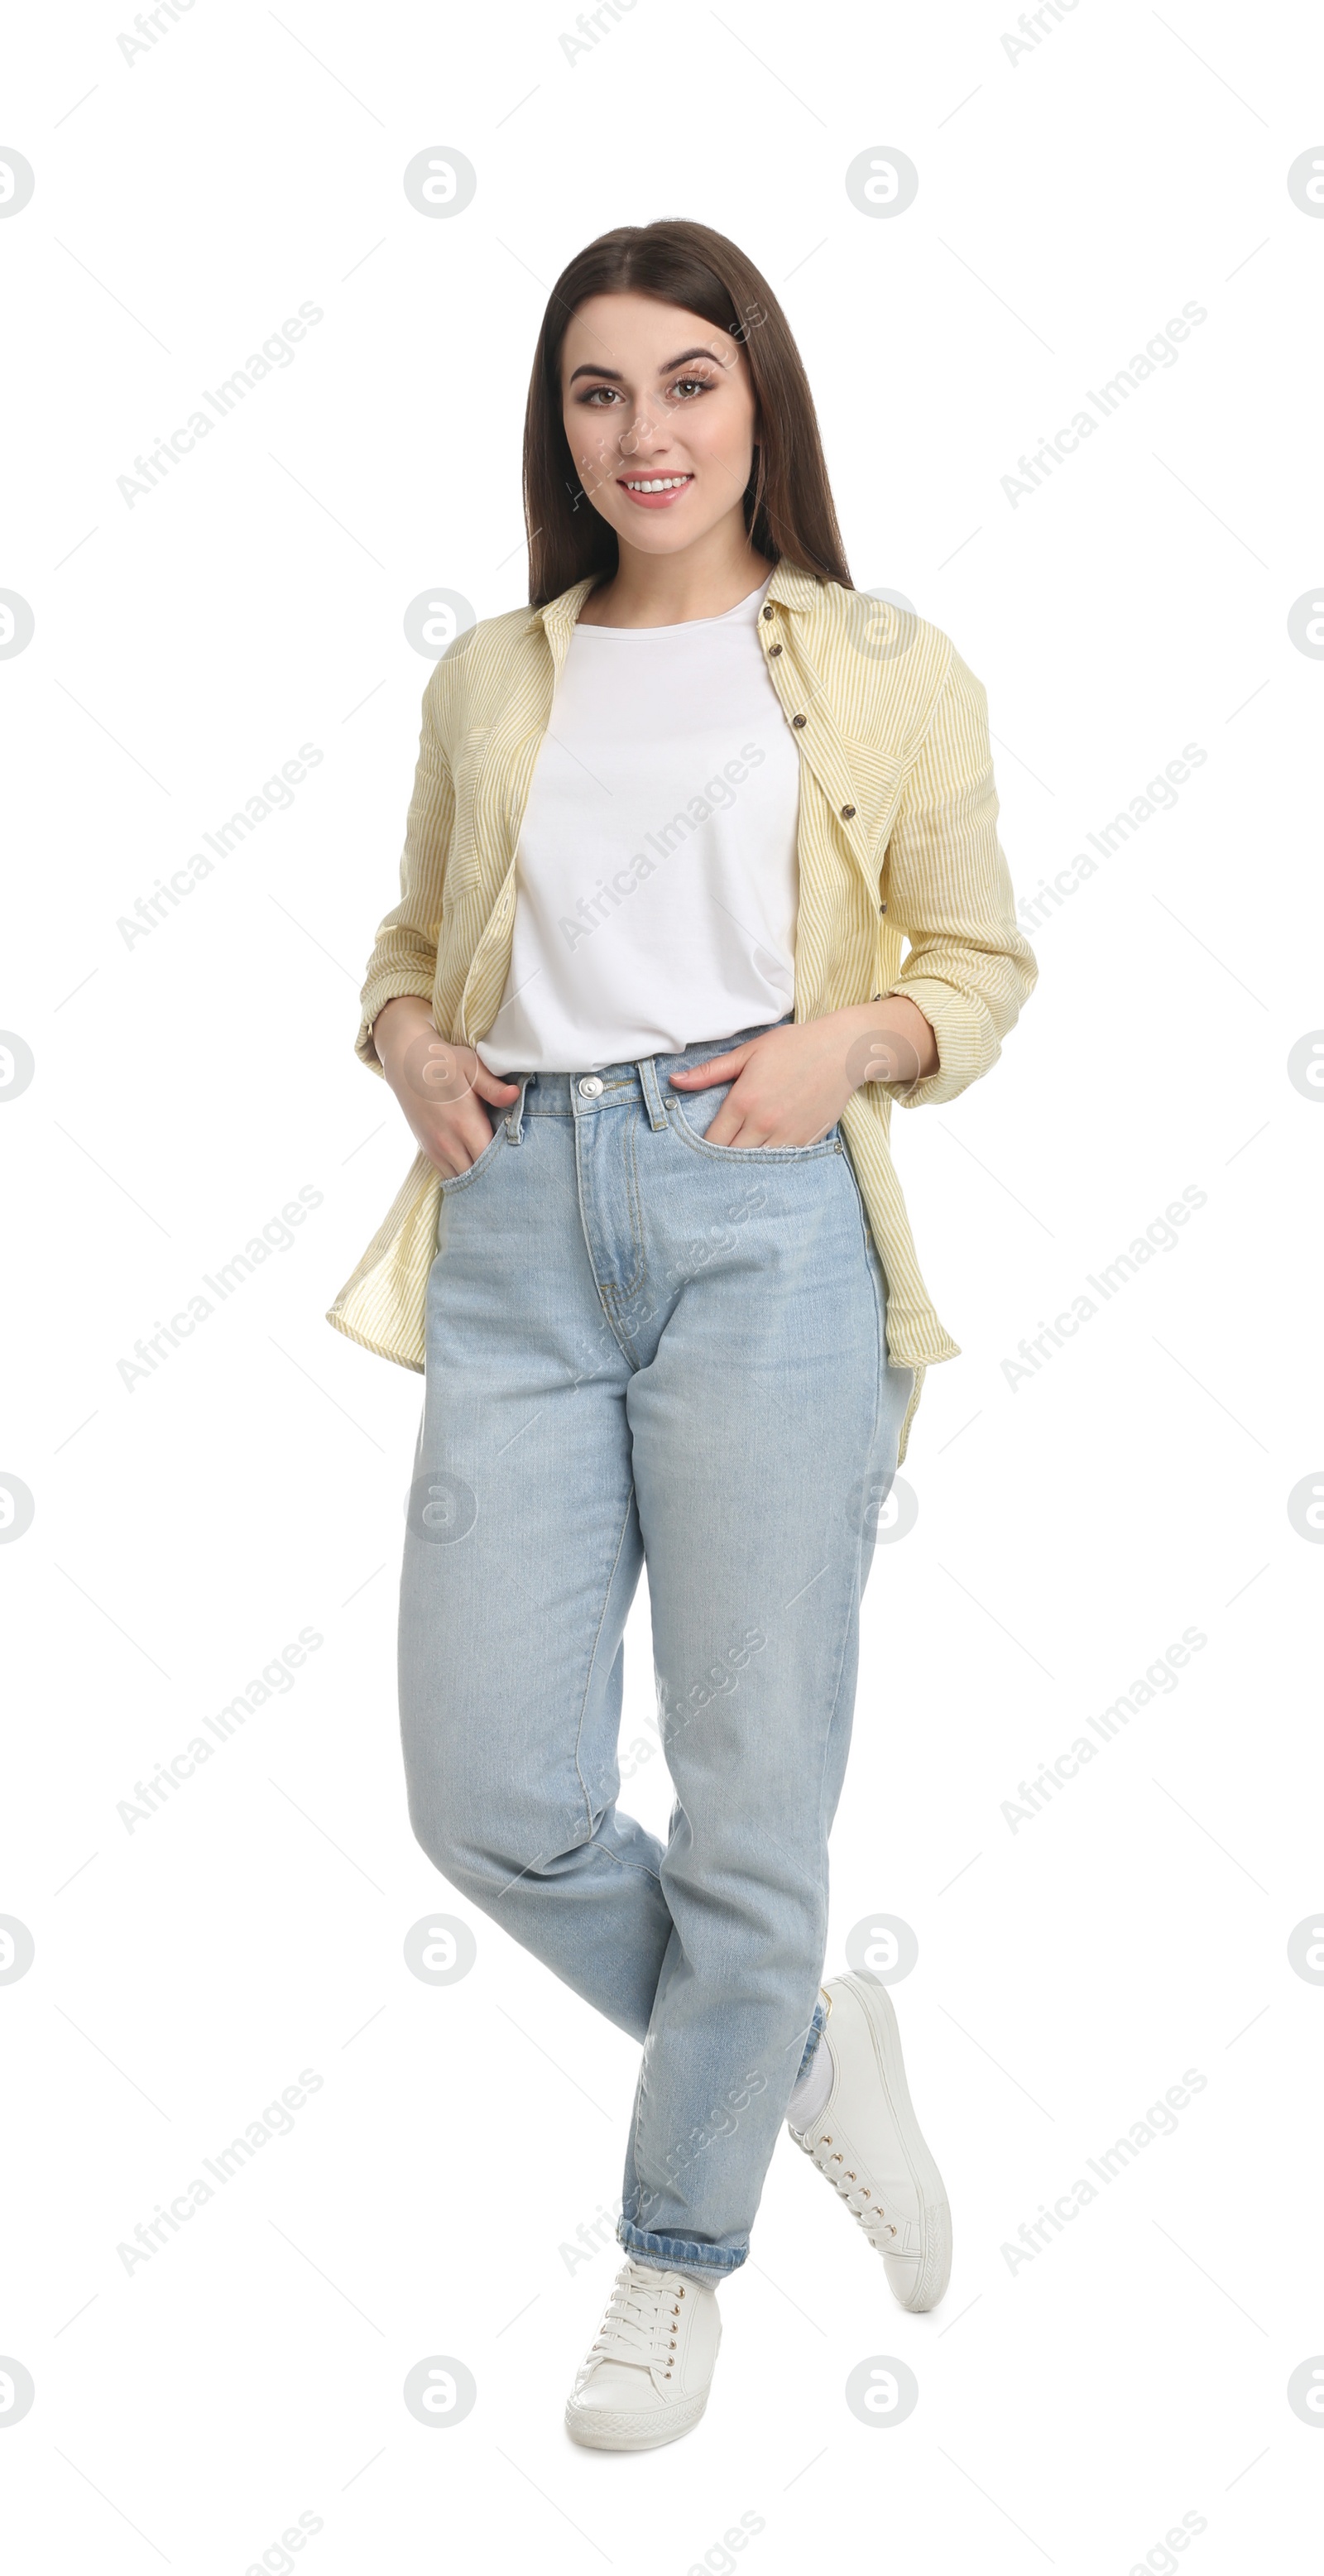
x: 461, y: 1180
x: 829, y: 1144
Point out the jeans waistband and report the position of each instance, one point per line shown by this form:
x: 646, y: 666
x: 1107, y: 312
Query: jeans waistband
x: 615, y: 1086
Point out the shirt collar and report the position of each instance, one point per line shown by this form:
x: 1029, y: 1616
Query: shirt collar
x: 789, y: 587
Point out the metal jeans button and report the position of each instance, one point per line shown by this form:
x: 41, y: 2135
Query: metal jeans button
x: 591, y: 1086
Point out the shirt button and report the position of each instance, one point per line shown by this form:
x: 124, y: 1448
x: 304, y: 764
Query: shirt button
x: 767, y: 612
x: 799, y: 720
x: 591, y: 1086
x: 847, y: 813
x: 772, y: 649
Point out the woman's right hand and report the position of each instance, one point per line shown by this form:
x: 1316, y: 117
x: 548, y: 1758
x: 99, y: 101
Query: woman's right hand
x: 440, y: 1087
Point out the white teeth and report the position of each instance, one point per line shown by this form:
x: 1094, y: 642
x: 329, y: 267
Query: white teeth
x: 660, y: 483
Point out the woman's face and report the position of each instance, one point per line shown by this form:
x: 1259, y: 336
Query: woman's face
x: 654, y: 394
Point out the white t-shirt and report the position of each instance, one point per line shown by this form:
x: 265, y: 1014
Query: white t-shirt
x: 656, y: 880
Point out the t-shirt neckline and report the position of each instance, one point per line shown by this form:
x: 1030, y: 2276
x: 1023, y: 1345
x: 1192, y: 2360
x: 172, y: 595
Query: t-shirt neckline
x: 684, y: 625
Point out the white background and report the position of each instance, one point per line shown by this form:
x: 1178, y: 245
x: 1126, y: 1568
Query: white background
x: 1070, y: 1971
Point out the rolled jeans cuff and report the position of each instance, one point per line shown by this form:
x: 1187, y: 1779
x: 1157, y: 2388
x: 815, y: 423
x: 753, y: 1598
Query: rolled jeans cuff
x: 706, y: 2264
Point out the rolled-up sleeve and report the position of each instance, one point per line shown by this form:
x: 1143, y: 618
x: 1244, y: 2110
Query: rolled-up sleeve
x: 948, y: 891
x: 404, y: 956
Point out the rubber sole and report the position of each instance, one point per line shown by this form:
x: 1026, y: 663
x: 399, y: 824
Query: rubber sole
x: 936, y: 2260
x: 601, y: 2428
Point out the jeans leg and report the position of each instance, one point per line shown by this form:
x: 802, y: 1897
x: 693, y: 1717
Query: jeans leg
x: 811, y: 2044
x: 522, y: 1555
x: 757, y: 1428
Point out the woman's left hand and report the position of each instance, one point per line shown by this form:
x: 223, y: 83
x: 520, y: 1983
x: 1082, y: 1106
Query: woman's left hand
x: 789, y: 1085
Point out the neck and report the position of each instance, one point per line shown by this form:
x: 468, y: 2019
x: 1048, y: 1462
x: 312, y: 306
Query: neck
x: 706, y: 579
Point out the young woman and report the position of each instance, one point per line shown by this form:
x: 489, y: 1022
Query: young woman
x: 644, y: 1005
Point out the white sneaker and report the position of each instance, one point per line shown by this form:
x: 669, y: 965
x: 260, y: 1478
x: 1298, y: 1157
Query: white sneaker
x: 647, y: 2376
x: 866, y: 2140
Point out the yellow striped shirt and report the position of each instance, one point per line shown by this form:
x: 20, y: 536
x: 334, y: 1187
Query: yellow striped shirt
x: 897, y: 848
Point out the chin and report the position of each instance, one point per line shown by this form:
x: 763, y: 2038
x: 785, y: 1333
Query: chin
x: 658, y: 535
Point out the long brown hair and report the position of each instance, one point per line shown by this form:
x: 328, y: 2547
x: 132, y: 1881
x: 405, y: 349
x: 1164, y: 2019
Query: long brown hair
x: 788, y: 502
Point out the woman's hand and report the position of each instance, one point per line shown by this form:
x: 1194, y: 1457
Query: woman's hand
x: 791, y: 1084
x: 440, y: 1087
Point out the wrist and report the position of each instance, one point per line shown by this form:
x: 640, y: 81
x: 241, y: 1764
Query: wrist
x: 399, y: 1018
x: 891, y: 1041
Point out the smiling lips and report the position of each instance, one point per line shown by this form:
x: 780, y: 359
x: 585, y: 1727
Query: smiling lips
x: 655, y: 491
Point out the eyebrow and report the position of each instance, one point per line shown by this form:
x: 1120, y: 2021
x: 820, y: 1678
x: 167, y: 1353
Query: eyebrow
x: 664, y: 370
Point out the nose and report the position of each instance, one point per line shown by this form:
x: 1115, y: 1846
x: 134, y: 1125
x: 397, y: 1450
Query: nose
x: 643, y: 428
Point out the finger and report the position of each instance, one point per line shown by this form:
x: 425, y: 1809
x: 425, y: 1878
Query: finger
x: 742, y: 1135
x: 456, y: 1148
x: 716, y: 1068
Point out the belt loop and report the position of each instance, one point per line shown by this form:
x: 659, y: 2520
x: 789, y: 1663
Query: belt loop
x: 647, y: 1072
x: 515, y: 1113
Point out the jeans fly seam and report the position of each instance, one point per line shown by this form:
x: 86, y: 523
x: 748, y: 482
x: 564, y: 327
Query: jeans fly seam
x: 635, y: 1198
x: 627, y: 1289
x: 606, y: 1295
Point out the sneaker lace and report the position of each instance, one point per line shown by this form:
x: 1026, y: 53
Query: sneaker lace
x: 856, y: 2194
x: 641, y: 2323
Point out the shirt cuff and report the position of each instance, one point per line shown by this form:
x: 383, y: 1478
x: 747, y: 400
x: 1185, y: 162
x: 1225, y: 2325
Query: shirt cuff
x: 964, y: 1037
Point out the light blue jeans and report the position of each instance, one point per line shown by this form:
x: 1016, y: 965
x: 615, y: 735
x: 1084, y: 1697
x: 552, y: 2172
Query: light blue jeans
x: 646, y: 1349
